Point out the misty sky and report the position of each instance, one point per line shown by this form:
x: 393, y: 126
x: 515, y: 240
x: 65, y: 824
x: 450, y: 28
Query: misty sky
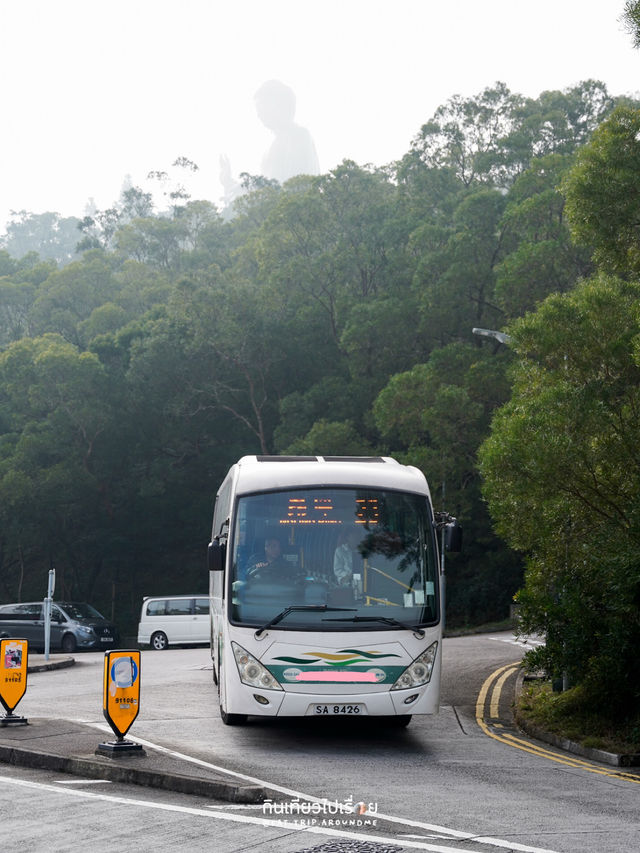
x: 94, y: 91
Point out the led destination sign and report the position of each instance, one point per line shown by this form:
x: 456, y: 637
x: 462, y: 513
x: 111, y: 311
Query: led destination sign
x: 321, y: 510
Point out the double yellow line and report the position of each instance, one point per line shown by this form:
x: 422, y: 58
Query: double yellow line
x: 497, y: 681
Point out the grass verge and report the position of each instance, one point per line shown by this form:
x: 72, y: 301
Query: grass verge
x: 570, y: 715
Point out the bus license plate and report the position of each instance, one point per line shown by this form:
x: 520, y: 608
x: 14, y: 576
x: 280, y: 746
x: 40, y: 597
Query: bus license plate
x: 338, y: 709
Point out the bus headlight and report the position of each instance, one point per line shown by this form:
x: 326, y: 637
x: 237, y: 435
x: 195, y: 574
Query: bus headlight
x: 251, y: 671
x: 419, y: 672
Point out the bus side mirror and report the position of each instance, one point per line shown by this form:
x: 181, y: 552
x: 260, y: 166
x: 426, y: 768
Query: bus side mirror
x: 453, y: 537
x: 216, y: 555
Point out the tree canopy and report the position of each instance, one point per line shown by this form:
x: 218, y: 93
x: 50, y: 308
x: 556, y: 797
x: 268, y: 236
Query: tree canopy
x: 561, y: 465
x: 332, y: 314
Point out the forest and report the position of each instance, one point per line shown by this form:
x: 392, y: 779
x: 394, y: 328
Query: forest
x: 143, y: 351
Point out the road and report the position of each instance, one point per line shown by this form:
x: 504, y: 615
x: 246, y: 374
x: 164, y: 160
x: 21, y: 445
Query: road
x: 445, y: 783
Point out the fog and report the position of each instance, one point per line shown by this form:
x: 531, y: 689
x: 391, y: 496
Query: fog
x: 95, y: 92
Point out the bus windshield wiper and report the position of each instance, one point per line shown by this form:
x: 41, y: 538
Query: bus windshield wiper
x: 389, y: 620
x: 321, y: 608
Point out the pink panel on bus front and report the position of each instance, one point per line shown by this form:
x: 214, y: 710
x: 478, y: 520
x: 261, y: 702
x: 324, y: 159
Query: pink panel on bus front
x: 336, y: 676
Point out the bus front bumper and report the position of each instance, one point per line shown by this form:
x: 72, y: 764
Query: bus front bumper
x: 274, y: 703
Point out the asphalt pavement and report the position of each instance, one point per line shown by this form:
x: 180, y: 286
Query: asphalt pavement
x: 79, y: 749
x: 69, y: 747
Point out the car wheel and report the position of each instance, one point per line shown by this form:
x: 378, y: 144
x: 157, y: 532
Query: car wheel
x: 159, y: 641
x: 69, y: 643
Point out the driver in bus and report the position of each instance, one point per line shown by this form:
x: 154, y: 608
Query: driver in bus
x: 272, y: 566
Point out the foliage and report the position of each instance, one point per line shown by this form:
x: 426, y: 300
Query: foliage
x: 435, y: 416
x: 573, y: 715
x: 331, y: 439
x: 631, y: 20
x: 492, y: 138
x: 52, y: 236
x: 543, y: 258
x: 332, y: 314
x: 603, y: 200
x: 561, y: 471
x: 58, y: 471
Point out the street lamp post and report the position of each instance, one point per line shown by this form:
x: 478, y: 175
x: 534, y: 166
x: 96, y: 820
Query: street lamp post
x: 501, y: 337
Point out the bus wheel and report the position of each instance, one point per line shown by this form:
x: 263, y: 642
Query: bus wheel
x: 233, y: 719
x: 159, y: 641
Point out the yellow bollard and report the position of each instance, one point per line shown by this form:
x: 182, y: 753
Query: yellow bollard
x: 14, y: 657
x: 121, y: 701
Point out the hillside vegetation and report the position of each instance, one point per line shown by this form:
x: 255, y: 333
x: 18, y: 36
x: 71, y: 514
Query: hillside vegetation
x: 142, y: 352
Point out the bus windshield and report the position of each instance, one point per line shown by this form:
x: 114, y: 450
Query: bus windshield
x: 336, y: 559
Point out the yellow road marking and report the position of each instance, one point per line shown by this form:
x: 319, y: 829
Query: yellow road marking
x: 497, y: 690
x: 485, y: 689
x: 500, y: 676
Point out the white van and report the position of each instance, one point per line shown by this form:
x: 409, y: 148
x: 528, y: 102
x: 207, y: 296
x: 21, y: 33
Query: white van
x: 175, y: 620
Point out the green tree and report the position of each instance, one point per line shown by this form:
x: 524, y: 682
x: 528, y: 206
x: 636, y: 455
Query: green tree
x: 69, y: 295
x: 491, y: 138
x: 169, y: 242
x: 331, y: 241
x: 58, y: 469
x: 329, y: 259
x: 631, y: 20
x: 331, y: 314
x: 562, y: 477
x: 51, y: 236
x: 465, y: 134
x: 7, y: 263
x: 301, y: 409
x: 16, y: 299
x: 542, y: 258
x: 603, y: 199
x: 331, y: 438
x: 18, y: 291
x: 454, y: 280
x: 100, y: 226
x: 435, y: 416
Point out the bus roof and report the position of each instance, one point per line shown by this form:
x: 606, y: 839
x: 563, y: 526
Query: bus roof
x: 267, y: 473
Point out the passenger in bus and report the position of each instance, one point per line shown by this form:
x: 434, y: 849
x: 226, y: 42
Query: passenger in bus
x: 346, y: 558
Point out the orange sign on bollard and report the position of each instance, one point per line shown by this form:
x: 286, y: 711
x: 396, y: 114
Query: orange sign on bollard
x: 14, y: 655
x: 121, y: 699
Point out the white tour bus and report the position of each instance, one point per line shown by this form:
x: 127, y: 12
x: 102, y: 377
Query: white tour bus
x: 326, y: 589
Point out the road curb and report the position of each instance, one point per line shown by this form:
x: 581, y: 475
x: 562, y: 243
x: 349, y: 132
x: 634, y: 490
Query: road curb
x: 109, y: 769
x: 611, y: 758
x: 42, y: 665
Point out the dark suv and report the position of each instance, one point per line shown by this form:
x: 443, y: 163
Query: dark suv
x: 74, y: 625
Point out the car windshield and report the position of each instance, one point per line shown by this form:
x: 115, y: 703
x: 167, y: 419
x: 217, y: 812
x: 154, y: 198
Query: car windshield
x: 363, y: 557
x: 80, y: 610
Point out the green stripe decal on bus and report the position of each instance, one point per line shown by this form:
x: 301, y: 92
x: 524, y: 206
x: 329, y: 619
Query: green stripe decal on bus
x: 345, y: 657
